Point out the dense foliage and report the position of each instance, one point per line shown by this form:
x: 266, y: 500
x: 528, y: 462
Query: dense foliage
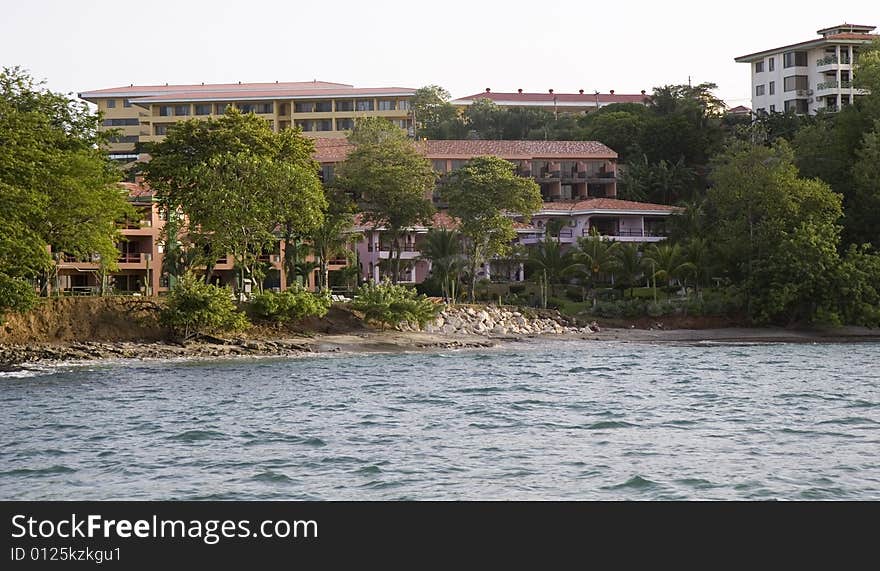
x: 292, y: 304
x: 389, y: 304
x: 237, y: 182
x: 195, y: 308
x: 58, y: 191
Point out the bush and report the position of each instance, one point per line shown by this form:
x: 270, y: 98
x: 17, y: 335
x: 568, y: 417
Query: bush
x: 294, y: 303
x: 16, y: 295
x: 390, y: 304
x: 195, y: 307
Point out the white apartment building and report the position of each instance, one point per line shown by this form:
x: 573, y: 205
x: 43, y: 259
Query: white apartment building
x: 810, y: 76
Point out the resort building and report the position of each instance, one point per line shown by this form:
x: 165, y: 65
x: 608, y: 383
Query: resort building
x: 578, y: 181
x: 811, y: 76
x: 577, y: 103
x: 143, y: 113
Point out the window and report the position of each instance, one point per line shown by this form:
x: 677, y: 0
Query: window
x: 111, y: 104
x: 759, y: 66
x: 181, y: 110
x: 247, y: 107
x: 439, y: 165
x: 282, y: 109
x: 305, y: 125
x: 282, y: 125
x: 304, y: 107
x: 126, y: 103
x: 364, y: 105
x: 119, y: 122
x: 795, y: 83
x: 164, y: 110
x: 324, y: 125
x: 265, y: 107
x: 772, y: 109
x: 344, y: 124
x: 403, y: 105
x: 760, y: 111
x: 458, y: 163
x: 386, y: 105
x: 124, y: 139
x: 221, y: 108
x: 160, y: 128
x: 772, y: 87
x: 344, y: 105
x: 327, y: 173
x: 759, y: 89
x: 792, y: 59
x: 324, y: 106
x: 771, y: 63
x: 797, y: 105
x: 203, y: 109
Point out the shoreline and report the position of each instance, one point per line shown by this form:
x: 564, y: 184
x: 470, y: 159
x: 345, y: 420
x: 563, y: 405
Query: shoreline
x: 15, y: 357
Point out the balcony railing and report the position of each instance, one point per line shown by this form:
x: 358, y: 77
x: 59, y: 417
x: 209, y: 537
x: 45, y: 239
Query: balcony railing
x: 628, y: 232
x: 827, y: 60
x: 404, y: 248
x: 130, y: 258
x: 833, y: 84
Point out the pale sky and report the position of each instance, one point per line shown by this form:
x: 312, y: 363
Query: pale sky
x: 465, y: 46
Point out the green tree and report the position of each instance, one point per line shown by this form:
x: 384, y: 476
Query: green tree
x: 596, y: 256
x: 483, y: 195
x: 629, y: 267
x: 58, y: 190
x: 863, y: 208
x: 776, y: 233
x: 434, y: 116
x: 392, y: 181
x: 238, y: 183
x: 552, y: 261
x: 668, y: 262
x: 442, y: 247
x: 332, y: 238
x: 196, y: 308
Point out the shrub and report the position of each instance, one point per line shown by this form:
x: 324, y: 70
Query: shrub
x: 195, y: 307
x: 294, y: 303
x: 16, y: 295
x: 390, y: 304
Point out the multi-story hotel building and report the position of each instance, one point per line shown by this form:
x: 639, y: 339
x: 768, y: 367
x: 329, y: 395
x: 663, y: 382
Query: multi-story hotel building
x: 811, y: 76
x: 577, y: 103
x: 143, y: 113
x: 578, y: 181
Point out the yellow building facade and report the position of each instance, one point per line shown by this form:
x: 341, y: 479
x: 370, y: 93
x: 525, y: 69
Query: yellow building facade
x: 321, y: 109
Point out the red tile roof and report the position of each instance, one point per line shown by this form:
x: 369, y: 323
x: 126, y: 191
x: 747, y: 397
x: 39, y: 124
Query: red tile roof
x: 335, y: 150
x: 610, y: 204
x: 292, y: 93
x: 548, y: 98
x: 158, y: 89
x: 136, y: 190
x: 438, y: 220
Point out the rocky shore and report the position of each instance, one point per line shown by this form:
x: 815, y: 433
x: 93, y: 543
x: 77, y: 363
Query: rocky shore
x: 493, y: 321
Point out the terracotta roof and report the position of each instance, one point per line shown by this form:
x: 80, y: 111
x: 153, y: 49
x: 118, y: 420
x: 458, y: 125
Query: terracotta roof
x: 847, y: 37
x: 292, y: 93
x: 438, y: 220
x: 335, y: 150
x: 611, y: 204
x: 159, y: 89
x: 136, y: 190
x: 548, y: 98
x: 739, y: 109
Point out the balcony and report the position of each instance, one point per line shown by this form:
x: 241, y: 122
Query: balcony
x: 629, y: 234
x: 828, y: 85
x: 130, y: 258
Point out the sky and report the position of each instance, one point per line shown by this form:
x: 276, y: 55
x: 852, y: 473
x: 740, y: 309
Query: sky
x: 464, y: 46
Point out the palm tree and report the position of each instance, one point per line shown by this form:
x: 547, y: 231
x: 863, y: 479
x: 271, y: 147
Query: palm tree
x: 667, y: 262
x: 329, y: 241
x: 595, y: 256
x: 442, y: 248
x: 629, y: 266
x: 698, y: 254
x: 549, y: 258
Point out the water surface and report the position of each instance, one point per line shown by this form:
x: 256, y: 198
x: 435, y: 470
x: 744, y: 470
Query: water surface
x: 573, y: 420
